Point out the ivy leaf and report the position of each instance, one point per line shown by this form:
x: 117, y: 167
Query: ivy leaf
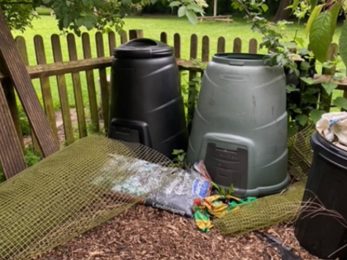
x: 175, y: 3
x: 182, y: 11
x: 340, y: 102
x: 321, y: 35
x: 191, y: 16
x: 343, y: 44
x: 316, y: 11
x: 335, y: 10
x: 316, y: 115
x: 302, y: 119
x: 329, y: 87
x: 308, y: 81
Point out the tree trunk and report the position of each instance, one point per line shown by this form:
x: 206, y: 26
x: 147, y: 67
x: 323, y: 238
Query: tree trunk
x: 282, y: 12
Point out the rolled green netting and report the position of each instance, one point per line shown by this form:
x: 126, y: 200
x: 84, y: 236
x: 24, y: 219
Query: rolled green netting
x: 69, y: 193
x: 264, y: 212
x: 278, y: 208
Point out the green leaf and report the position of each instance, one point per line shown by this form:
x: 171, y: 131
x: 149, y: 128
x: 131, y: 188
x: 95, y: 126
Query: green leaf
x: 340, y: 102
x: 175, y: 3
x: 182, y: 11
x: 298, y: 110
x: 195, y: 8
x: 316, y: 115
x: 86, y: 2
x: 329, y: 87
x: 176, y: 152
x: 321, y: 35
x: 300, y: 41
x: 343, y: 44
x: 305, y: 66
x: 46, y: 1
x: 335, y: 10
x: 80, y: 21
x: 191, y: 17
x: 313, y: 16
x: 308, y: 81
x: 291, y: 88
x: 265, y: 7
x: 295, y: 5
x: 231, y: 189
x: 181, y: 157
x: 302, y: 119
x: 66, y: 21
x: 126, y: 2
x: 313, y: 4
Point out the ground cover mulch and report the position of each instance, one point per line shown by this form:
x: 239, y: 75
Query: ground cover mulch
x: 147, y: 233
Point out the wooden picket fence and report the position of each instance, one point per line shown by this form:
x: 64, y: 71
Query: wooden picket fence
x: 89, y: 64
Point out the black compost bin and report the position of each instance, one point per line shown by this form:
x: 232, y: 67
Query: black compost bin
x: 146, y: 102
x: 320, y: 232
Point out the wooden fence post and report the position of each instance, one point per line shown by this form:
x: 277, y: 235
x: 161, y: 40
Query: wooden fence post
x: 237, y: 48
x: 76, y: 81
x: 135, y: 34
x: 22, y: 48
x: 104, y: 86
x: 163, y: 37
x: 221, y: 45
x: 192, y: 91
x: 111, y: 42
x: 123, y: 37
x: 62, y: 90
x: 93, y: 107
x: 177, y: 45
x: 253, y: 46
x: 205, y: 49
x: 45, y: 85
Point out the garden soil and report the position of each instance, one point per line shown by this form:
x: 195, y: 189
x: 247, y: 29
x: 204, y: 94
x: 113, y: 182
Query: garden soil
x: 147, y: 233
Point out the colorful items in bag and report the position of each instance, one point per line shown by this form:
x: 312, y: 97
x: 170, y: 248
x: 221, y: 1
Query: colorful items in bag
x: 215, y: 206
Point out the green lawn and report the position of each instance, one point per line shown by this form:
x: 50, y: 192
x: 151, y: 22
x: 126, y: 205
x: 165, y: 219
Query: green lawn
x: 152, y: 27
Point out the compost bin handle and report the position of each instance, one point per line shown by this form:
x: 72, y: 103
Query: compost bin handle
x: 237, y: 62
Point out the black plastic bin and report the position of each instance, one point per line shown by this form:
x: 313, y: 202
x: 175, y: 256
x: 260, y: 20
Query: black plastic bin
x: 146, y: 102
x: 321, y: 234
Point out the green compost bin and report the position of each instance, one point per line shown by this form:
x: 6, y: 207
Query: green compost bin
x: 240, y: 125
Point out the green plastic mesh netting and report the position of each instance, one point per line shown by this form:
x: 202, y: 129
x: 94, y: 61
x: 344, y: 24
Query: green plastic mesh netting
x: 69, y: 193
x: 278, y: 208
x: 83, y: 186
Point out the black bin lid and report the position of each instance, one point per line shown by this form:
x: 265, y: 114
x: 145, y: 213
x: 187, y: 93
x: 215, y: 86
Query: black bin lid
x: 143, y: 49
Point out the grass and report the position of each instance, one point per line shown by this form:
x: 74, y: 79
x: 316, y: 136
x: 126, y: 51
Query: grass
x: 152, y: 27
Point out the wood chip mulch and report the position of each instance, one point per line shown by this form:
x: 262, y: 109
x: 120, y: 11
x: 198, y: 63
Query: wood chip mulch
x: 147, y: 233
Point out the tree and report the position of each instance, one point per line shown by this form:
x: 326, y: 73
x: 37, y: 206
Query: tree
x: 283, y: 12
x: 74, y: 14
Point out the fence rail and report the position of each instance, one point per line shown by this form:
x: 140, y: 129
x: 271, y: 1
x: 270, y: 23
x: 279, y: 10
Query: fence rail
x: 95, y: 71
